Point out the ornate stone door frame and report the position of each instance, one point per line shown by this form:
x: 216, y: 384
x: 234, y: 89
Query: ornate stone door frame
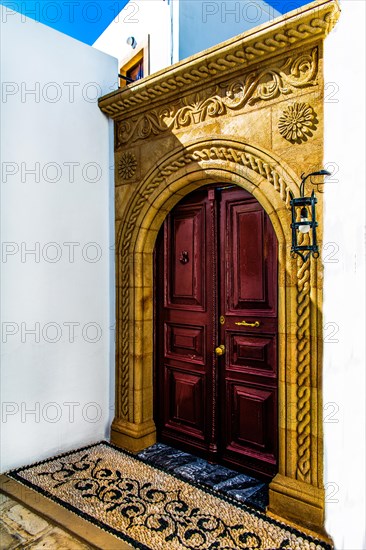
x: 250, y: 114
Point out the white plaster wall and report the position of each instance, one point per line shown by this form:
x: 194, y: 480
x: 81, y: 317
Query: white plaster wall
x: 344, y: 279
x: 179, y: 28
x: 146, y: 20
x: 204, y: 23
x: 61, y: 372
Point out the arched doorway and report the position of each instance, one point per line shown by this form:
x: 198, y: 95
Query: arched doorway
x: 269, y: 180
x: 248, y: 112
x: 216, y: 330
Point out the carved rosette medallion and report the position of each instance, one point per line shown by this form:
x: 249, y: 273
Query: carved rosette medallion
x: 127, y: 166
x: 298, y: 122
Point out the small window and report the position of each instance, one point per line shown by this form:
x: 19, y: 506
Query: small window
x: 137, y: 71
x: 135, y: 67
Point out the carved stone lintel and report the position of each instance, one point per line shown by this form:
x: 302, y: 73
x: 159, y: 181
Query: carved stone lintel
x: 295, y: 73
x: 239, y: 53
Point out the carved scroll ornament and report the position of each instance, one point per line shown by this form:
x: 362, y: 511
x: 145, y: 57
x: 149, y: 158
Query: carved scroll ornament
x: 296, y: 72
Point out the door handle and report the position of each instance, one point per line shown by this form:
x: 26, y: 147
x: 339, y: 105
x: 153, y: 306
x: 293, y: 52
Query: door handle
x: 245, y: 324
x: 220, y: 350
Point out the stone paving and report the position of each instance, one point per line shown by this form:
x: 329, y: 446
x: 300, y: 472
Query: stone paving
x: 21, y: 528
x: 228, y: 482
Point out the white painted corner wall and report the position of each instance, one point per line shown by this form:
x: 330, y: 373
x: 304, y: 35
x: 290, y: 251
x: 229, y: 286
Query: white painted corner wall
x: 203, y: 23
x: 149, y: 22
x: 344, y: 279
x: 57, y: 269
x: 176, y: 29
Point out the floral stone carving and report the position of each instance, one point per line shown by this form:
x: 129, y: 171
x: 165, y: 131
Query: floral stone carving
x: 127, y: 166
x: 298, y: 122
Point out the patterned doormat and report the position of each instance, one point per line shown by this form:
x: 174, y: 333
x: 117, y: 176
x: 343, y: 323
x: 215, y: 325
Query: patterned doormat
x: 151, y: 509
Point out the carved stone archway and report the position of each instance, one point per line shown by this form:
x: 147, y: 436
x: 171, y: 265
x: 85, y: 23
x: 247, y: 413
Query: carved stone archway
x: 258, y: 129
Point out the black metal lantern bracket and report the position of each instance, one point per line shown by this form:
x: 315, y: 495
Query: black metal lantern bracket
x: 306, y: 224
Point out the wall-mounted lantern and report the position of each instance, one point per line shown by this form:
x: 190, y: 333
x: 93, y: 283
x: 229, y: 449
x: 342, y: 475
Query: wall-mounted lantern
x: 304, y: 220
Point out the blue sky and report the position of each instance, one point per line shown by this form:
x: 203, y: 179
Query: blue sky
x: 85, y: 20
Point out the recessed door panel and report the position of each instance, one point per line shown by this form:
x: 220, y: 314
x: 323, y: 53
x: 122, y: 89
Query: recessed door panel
x: 185, y: 342
x: 247, y: 240
x: 249, y: 280
x: 186, y: 252
x: 185, y: 408
x: 251, y: 418
x: 252, y: 353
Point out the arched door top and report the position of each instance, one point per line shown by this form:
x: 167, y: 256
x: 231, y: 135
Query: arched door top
x: 206, y: 161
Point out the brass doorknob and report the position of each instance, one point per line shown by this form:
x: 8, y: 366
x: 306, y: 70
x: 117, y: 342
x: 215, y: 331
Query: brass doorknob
x: 220, y: 350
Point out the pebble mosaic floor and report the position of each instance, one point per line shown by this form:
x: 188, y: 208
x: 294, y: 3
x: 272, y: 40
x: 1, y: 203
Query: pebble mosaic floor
x: 21, y: 528
x: 194, y: 505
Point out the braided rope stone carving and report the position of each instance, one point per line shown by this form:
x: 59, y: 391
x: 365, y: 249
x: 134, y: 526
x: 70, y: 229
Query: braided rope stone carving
x: 238, y: 54
x: 303, y: 472
x: 249, y: 157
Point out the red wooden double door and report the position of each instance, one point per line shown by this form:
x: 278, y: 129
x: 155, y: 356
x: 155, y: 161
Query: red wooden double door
x: 216, y: 330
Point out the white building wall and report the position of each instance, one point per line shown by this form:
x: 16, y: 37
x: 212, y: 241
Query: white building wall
x: 203, y: 23
x: 149, y: 22
x: 176, y: 29
x: 57, y: 200
x: 344, y: 279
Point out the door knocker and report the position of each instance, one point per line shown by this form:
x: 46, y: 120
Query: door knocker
x: 183, y: 258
